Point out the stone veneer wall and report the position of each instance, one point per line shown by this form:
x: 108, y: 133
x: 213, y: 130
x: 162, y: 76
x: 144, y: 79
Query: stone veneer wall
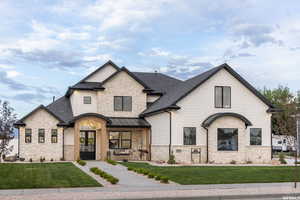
x: 35, y: 150
x: 69, y: 152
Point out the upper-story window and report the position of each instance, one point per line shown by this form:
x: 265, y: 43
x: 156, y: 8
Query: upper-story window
x: 122, y: 103
x: 87, y: 100
x: 222, y: 97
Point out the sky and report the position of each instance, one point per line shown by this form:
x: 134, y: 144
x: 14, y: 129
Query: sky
x: 47, y: 46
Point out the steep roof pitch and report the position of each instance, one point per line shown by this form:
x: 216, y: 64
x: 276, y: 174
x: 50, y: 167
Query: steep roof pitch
x: 157, y: 82
x: 41, y: 107
x: 178, y: 92
x: 62, y: 108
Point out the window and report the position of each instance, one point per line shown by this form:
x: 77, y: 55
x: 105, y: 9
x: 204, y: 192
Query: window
x: 28, y: 132
x: 123, y: 103
x: 41, y: 135
x: 255, y: 136
x: 222, y: 97
x: 227, y: 139
x: 120, y: 140
x: 189, y: 135
x: 54, y: 136
x: 87, y: 100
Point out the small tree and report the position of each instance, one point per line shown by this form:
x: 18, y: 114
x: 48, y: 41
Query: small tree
x: 7, y: 119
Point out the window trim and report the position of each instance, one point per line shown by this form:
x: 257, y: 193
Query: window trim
x: 52, y: 136
x: 84, y: 100
x: 41, y: 136
x: 28, y: 134
x: 222, y: 99
x: 236, y: 144
x: 122, y: 104
x: 195, y: 137
x: 120, y: 139
x: 260, y: 137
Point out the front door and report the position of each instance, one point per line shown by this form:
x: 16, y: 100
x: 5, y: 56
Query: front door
x: 87, y: 145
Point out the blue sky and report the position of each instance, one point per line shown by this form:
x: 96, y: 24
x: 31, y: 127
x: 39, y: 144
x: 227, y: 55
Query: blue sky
x: 46, y: 46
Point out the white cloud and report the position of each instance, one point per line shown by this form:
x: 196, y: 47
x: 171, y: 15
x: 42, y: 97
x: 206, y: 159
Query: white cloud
x: 12, y: 74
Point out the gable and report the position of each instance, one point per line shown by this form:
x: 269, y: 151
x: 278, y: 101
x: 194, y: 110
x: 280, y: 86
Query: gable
x: 241, y: 96
x: 41, y: 118
x: 102, y: 74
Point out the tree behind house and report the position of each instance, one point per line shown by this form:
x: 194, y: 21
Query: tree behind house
x: 7, y: 119
x: 283, y: 122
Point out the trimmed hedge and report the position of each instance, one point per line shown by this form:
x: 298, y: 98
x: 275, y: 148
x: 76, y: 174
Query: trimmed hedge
x: 112, y: 162
x: 106, y: 176
x: 146, y: 172
x: 81, y: 162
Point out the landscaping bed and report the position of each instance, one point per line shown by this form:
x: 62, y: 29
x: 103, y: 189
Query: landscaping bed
x: 193, y: 175
x: 43, y: 175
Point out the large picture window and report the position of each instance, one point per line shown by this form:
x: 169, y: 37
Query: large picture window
x: 41, y: 135
x: 120, y: 140
x: 123, y: 103
x: 189, y: 135
x: 227, y: 139
x: 54, y: 136
x: 222, y: 97
x: 28, y: 133
x: 255, y: 136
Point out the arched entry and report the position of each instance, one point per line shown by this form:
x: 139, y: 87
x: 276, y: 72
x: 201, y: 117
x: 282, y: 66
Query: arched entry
x: 90, y: 139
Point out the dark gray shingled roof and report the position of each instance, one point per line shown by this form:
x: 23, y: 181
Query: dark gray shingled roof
x: 62, y: 108
x: 87, y: 86
x: 208, y: 121
x: 176, y: 93
x: 118, y: 122
x: 156, y: 81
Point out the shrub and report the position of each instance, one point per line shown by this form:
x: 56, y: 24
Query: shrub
x: 282, y: 158
x: 42, y: 159
x: 112, y: 162
x: 81, y: 162
x: 51, y: 160
x: 93, y: 169
x: 103, y: 174
x: 22, y: 159
x: 62, y: 159
x: 171, y: 160
x: 233, y: 162
x: 158, y: 178
x: 145, y: 172
x: 113, y: 180
x: 30, y: 159
x: 150, y: 175
x: 130, y: 169
x: 249, y: 162
x: 164, y: 179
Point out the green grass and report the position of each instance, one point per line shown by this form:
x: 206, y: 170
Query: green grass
x: 190, y: 175
x: 43, y: 175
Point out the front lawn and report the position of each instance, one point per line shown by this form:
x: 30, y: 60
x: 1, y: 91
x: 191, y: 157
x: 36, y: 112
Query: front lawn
x: 191, y: 175
x: 43, y: 175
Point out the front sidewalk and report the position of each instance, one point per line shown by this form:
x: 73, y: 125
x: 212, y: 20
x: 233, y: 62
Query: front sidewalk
x: 279, y: 190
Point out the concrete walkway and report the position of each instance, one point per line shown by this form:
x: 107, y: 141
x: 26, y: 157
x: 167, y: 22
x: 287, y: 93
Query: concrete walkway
x: 126, y: 178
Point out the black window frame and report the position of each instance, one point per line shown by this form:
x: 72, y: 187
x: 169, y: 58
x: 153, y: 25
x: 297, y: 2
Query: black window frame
x: 237, y: 142
x: 257, y: 144
x: 222, y: 99
x: 192, y: 143
x: 120, y: 139
x: 28, y: 135
x: 87, y: 100
x: 54, y: 134
x: 40, y: 135
x: 122, y: 104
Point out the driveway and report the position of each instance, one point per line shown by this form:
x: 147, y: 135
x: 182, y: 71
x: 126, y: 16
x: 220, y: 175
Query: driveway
x: 126, y: 178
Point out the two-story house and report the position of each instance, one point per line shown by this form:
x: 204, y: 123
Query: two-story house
x: 214, y: 117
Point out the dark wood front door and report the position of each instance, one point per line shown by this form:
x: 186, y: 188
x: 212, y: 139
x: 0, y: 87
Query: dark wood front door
x: 87, y: 145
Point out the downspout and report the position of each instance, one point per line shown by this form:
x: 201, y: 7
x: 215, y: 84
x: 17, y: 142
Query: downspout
x: 206, y: 144
x: 19, y: 142
x: 150, y: 145
x: 170, y: 143
x: 63, y: 144
x: 271, y: 139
